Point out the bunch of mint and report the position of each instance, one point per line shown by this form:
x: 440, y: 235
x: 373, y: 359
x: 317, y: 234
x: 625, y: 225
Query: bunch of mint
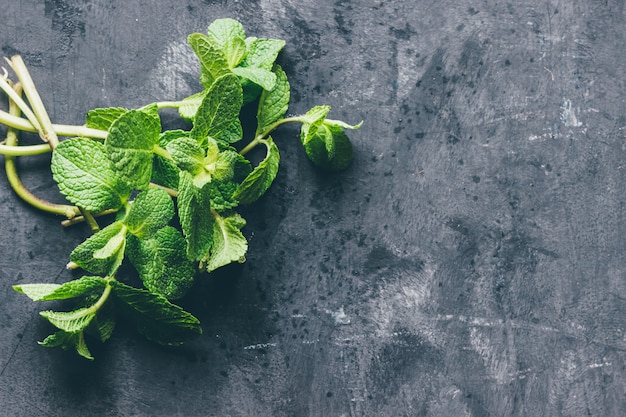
x: 175, y: 193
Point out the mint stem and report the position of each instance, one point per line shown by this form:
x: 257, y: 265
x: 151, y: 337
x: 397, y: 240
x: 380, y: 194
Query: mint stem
x: 46, y: 130
x: 259, y: 138
x: 14, y: 179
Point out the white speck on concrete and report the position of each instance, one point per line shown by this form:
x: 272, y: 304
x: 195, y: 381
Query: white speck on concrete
x: 340, y: 317
x: 568, y: 116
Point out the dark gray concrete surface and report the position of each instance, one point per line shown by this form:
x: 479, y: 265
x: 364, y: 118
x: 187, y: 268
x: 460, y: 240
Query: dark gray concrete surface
x: 469, y: 262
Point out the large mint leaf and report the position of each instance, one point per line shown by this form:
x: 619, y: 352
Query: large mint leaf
x: 102, y: 253
x: 229, y: 244
x: 273, y: 104
x: 151, y: 210
x: 71, y: 321
x: 212, y: 59
x: 129, y: 145
x: 103, y: 118
x: 71, y: 289
x: 155, y: 317
x: 261, y: 177
x: 262, y: 52
x: 162, y: 264
x: 194, y: 211
x: 229, y: 36
x: 80, y: 168
x: 219, y: 110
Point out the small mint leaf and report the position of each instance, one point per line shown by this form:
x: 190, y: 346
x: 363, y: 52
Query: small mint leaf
x: 190, y: 107
x: 155, y: 317
x: 265, y: 79
x: 261, y: 177
x: 71, y: 289
x: 262, y: 52
x: 212, y: 59
x: 102, y: 253
x: 273, y: 104
x: 229, y: 244
x: 329, y: 148
x: 229, y: 36
x: 129, y: 146
x: 151, y: 210
x: 102, y: 118
x: 194, y: 211
x: 66, y: 341
x: 162, y: 264
x: 80, y: 168
x: 72, y: 321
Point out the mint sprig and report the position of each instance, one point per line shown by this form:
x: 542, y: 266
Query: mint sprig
x: 176, y: 192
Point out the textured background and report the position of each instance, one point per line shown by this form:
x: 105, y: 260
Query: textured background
x: 469, y: 262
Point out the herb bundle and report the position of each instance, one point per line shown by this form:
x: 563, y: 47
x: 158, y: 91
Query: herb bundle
x: 175, y: 193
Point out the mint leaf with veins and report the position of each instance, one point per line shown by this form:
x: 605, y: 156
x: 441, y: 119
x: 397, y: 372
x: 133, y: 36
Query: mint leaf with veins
x: 81, y: 169
x: 162, y: 264
x: 103, y: 252
x: 196, y: 221
x: 71, y: 289
x: 230, y: 37
x: 130, y: 145
x: 150, y: 211
x: 329, y: 148
x: 103, y: 118
x: 155, y: 317
x: 262, y: 52
x: 70, y: 321
x: 274, y: 103
x: 67, y: 341
x: 261, y: 177
x: 219, y: 110
x: 229, y: 244
x: 212, y: 59
x: 265, y: 79
x: 187, y: 154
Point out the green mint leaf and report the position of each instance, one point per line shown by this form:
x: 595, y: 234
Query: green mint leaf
x: 67, y: 341
x: 312, y: 120
x: 329, y: 147
x: 187, y: 154
x: 229, y: 244
x: 71, y: 289
x: 219, y: 110
x: 155, y: 317
x: 103, y: 118
x: 190, y: 107
x: 212, y: 59
x: 151, y: 210
x: 224, y: 167
x: 71, y: 321
x: 129, y: 146
x: 273, y: 104
x: 265, y: 79
x: 80, y: 168
x: 261, y: 177
x: 102, y: 253
x: 162, y: 264
x: 194, y: 211
x: 103, y: 324
x: 164, y: 171
x: 221, y: 195
x: 230, y: 37
x: 342, y: 124
x: 233, y: 133
x: 262, y: 52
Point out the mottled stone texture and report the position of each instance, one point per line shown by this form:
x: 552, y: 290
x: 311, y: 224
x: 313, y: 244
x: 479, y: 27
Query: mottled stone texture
x: 469, y: 262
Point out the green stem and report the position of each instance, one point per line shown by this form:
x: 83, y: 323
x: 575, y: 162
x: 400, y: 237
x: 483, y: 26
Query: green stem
x: 103, y: 298
x: 89, y: 218
x: 170, y: 104
x: 23, y: 150
x: 18, y: 186
x: 79, y: 219
x: 17, y: 99
x: 46, y: 130
x: 171, y: 192
x: 61, y: 130
x: 162, y: 152
x: 261, y: 136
